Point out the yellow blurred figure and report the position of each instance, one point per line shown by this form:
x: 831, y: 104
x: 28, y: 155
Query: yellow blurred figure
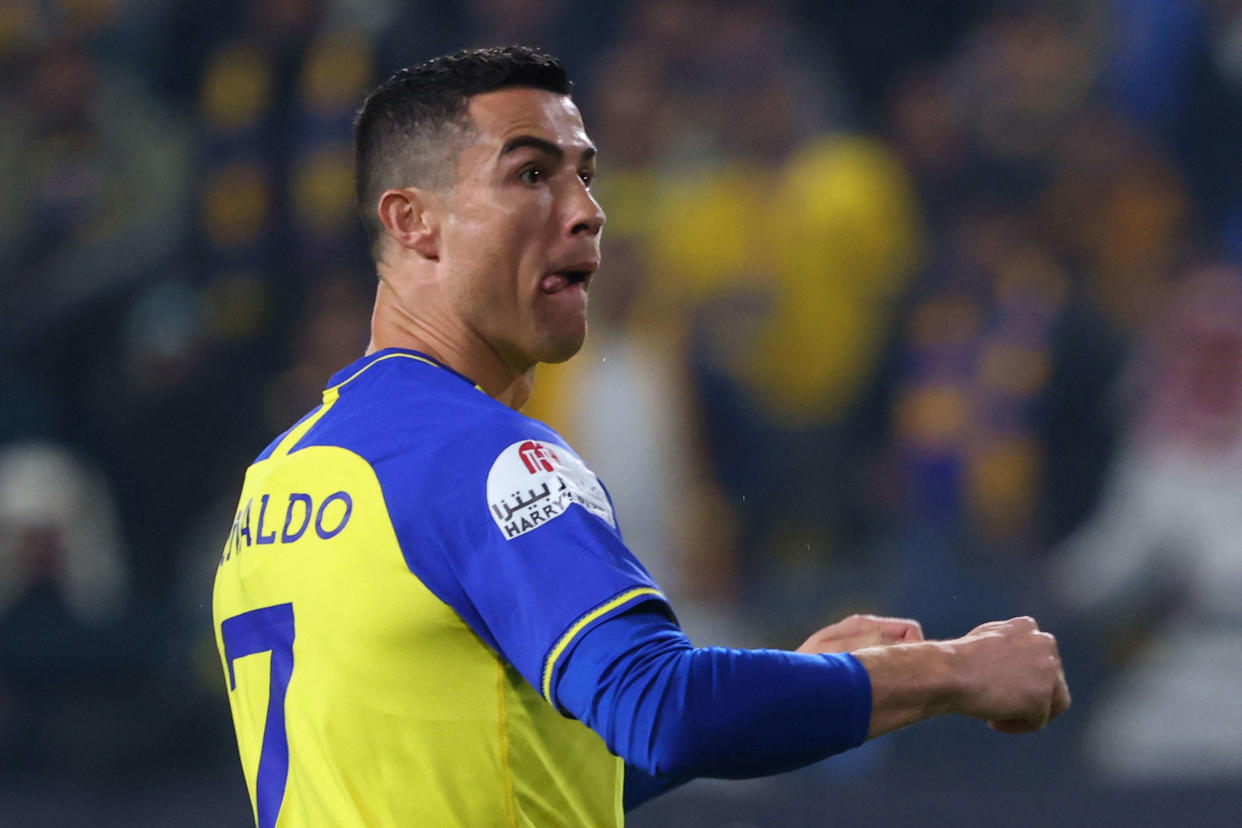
x: 807, y: 258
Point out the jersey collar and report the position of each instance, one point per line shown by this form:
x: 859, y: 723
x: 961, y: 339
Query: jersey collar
x: 353, y: 369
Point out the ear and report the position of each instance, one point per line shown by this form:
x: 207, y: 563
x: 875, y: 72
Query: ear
x: 411, y: 219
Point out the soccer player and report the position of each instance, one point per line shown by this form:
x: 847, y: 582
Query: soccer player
x: 425, y: 610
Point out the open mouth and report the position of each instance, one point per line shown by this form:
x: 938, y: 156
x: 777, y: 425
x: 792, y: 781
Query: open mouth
x: 562, y: 279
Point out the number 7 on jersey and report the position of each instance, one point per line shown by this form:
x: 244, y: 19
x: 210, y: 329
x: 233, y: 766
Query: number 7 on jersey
x: 268, y: 629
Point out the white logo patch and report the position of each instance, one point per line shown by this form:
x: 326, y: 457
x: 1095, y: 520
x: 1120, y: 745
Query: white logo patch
x: 531, y: 482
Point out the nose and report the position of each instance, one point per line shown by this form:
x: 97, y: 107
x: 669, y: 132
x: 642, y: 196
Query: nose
x: 586, y: 216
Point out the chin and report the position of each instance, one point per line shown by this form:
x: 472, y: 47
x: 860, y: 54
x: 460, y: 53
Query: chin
x: 563, y: 347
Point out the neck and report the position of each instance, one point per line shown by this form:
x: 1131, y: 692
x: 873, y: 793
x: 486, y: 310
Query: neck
x: 395, y: 325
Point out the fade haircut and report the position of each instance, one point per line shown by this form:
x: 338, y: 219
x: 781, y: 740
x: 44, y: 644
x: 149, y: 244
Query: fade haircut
x: 408, y: 129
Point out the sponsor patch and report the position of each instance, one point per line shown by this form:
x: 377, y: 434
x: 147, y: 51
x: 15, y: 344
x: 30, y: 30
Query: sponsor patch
x: 531, y: 482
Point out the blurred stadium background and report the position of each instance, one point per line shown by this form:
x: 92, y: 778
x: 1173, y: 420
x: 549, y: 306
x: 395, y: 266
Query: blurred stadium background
x: 925, y: 308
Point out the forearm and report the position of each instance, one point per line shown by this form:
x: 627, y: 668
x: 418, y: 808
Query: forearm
x: 747, y: 713
x: 909, y: 683
x: 676, y: 711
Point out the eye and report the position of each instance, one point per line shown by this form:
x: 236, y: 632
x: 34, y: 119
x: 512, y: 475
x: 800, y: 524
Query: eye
x: 587, y: 177
x: 531, y: 175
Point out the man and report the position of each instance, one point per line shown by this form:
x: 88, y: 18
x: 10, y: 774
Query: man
x: 425, y: 611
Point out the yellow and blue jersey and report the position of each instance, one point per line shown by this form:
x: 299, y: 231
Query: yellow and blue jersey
x: 408, y: 568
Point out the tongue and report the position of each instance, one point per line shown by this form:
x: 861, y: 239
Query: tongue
x: 554, y: 283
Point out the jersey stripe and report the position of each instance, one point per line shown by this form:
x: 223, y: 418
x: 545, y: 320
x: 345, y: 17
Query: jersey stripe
x: 581, y: 624
x: 330, y: 396
x: 299, y: 431
x: 354, y: 375
x: 505, y: 768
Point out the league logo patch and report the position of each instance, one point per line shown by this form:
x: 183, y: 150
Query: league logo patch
x: 531, y: 482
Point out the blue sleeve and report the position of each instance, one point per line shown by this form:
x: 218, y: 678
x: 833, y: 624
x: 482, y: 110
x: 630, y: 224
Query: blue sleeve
x: 641, y: 786
x: 514, y: 532
x: 675, y: 712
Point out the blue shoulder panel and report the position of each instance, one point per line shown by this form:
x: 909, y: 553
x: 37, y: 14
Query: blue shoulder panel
x: 494, y: 512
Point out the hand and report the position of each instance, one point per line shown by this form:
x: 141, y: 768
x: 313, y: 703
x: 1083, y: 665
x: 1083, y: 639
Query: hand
x: 859, y: 631
x: 1012, y: 675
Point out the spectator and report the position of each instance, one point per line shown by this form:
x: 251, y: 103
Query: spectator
x: 1163, y: 552
x: 66, y: 653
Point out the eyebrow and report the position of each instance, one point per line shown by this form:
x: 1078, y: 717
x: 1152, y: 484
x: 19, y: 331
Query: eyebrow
x: 518, y: 142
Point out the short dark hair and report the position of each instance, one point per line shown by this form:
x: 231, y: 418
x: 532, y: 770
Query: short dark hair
x: 402, y: 134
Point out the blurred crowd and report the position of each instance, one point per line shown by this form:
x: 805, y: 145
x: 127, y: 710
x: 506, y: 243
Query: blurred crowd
x: 913, y: 308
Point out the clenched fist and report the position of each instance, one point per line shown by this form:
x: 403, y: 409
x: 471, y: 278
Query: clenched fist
x: 1011, y: 675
